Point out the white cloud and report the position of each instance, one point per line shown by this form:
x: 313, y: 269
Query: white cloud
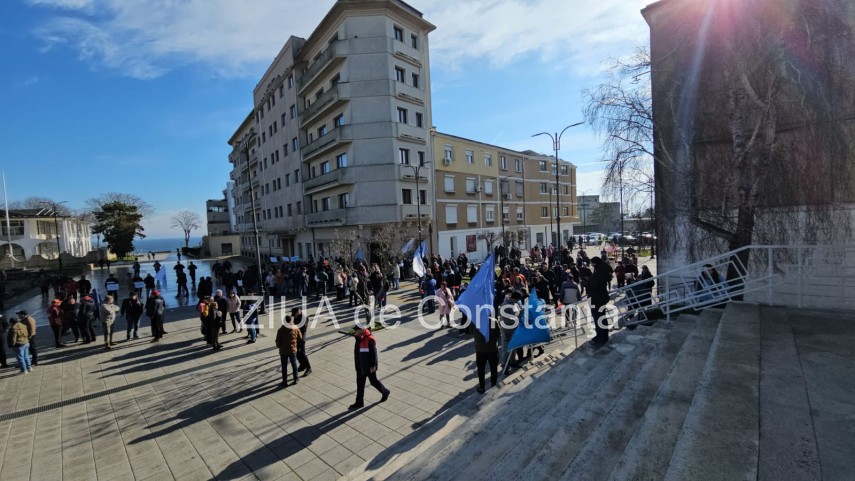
x: 29, y: 82
x: 146, y: 38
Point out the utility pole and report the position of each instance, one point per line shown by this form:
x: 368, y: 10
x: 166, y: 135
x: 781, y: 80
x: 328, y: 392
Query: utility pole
x: 556, y: 144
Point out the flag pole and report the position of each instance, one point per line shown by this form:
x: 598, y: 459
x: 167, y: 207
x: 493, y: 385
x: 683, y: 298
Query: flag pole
x: 8, y: 223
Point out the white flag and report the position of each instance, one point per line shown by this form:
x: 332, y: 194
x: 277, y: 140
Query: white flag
x: 418, y: 265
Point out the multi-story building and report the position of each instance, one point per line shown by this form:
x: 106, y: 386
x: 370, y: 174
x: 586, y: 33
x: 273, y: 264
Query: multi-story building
x: 484, y: 192
x: 220, y: 240
x: 33, y: 232
x: 349, y: 103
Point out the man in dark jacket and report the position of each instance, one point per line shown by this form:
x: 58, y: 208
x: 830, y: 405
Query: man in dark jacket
x: 86, y: 319
x: 223, y: 307
x: 365, y: 361
x: 598, y: 291
x: 486, y: 351
x: 132, y: 309
x: 155, y: 306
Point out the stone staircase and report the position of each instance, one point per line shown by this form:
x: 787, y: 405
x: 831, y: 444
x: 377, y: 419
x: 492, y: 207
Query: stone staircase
x: 689, y: 399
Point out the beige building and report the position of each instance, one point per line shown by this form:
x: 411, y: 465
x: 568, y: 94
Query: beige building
x: 481, y: 188
x: 350, y: 103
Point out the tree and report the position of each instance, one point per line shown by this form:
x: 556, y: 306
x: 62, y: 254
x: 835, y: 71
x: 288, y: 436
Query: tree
x: 37, y: 202
x: 186, y: 221
x: 144, y: 208
x: 119, y: 223
x: 489, y: 237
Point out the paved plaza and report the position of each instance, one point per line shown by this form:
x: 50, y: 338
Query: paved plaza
x: 179, y: 410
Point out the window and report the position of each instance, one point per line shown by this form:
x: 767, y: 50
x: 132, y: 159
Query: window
x: 488, y: 160
x: 449, y: 183
x: 563, y: 170
x: 406, y: 196
x: 404, y: 156
x: 325, y: 167
x: 322, y: 130
x: 285, y: 150
x: 319, y: 93
x: 421, y: 158
x: 544, y: 212
x: 402, y: 115
x: 471, y: 214
x: 338, y: 121
x: 488, y: 187
x: 503, y: 162
x: 565, y: 211
x: 270, y: 130
x: 422, y: 197
x: 314, y: 206
x: 520, y: 213
x: 341, y: 161
x: 325, y: 204
x: 293, y: 110
x: 290, y: 81
x: 335, y: 80
x: 490, y: 214
x: 284, y: 118
x: 554, y: 168
x: 470, y: 157
x: 419, y: 119
x: 264, y: 164
x: 289, y: 210
x: 518, y: 165
x: 416, y: 80
x: 295, y: 144
x: 565, y: 190
x: 451, y: 214
x: 263, y: 137
x: 519, y: 188
x: 400, y: 74
x: 281, y: 90
x: 399, y: 34
x: 299, y: 207
x: 313, y: 172
x: 543, y: 166
x: 297, y: 176
x: 414, y: 41
x: 343, y: 200
x: 449, y: 153
x: 505, y: 214
x: 470, y: 185
x: 287, y: 180
x: 543, y: 188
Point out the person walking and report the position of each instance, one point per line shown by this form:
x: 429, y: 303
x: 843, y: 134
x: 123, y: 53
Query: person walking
x: 212, y: 319
x: 250, y: 315
x: 366, y: 361
x: 155, y: 307
x: 69, y: 312
x: 192, y: 270
x: 486, y: 352
x: 108, y: 317
x: 234, y: 304
x: 302, y: 358
x: 30, y: 324
x: 55, y: 317
x: 287, y: 338
x: 223, y: 306
x: 446, y: 305
x: 598, y: 291
x: 132, y: 309
x: 149, y: 285
x: 18, y: 339
x: 86, y: 319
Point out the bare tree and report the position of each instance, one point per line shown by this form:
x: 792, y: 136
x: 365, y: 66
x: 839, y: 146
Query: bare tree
x: 489, y: 237
x: 341, y: 245
x: 37, y: 202
x: 187, y: 221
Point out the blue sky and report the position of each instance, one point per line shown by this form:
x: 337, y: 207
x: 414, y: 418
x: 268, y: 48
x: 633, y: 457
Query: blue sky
x: 141, y: 96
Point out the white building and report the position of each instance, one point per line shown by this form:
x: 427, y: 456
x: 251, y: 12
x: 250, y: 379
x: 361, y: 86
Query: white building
x: 33, y: 232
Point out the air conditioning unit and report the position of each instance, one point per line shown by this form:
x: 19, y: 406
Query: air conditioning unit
x: 411, y: 216
x: 446, y: 161
x: 479, y: 189
x: 509, y: 196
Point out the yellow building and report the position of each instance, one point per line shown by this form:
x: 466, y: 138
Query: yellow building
x: 486, y: 193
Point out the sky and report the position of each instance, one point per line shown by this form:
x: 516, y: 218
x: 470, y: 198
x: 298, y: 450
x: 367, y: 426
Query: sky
x: 141, y: 96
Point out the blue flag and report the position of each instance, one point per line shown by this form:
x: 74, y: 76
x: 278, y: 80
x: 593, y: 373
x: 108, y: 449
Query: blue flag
x: 360, y: 256
x: 477, y: 300
x: 531, y: 329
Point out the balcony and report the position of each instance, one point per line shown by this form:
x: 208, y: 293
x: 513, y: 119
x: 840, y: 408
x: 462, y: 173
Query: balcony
x: 335, y: 52
x: 408, y: 93
x: 409, y: 133
x: 410, y: 212
x: 328, y: 100
x: 328, y: 218
x: 336, y: 135
x: 408, y: 174
x: 343, y: 176
x: 406, y: 53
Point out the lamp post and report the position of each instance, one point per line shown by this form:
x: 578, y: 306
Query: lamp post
x: 502, y: 194
x: 53, y: 206
x: 556, y: 144
x: 244, y: 146
x: 416, y: 169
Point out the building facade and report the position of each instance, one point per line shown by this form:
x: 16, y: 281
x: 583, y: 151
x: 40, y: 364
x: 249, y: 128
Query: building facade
x: 36, y: 232
x: 349, y: 103
x: 486, y: 194
x: 220, y: 239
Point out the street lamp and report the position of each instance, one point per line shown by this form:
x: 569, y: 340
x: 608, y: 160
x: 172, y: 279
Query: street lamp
x: 556, y: 144
x: 416, y: 169
x: 502, y: 194
x: 53, y: 205
x: 244, y: 146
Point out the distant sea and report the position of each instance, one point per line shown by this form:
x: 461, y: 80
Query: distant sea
x: 143, y: 246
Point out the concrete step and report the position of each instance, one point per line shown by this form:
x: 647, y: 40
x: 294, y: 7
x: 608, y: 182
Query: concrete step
x: 569, y: 434
x: 485, y: 438
x: 507, y: 455
x: 788, y: 446
x: 607, y: 443
x: 720, y: 436
x: 647, y: 455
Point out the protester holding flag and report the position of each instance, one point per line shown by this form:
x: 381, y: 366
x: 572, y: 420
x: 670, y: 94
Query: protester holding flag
x: 486, y: 351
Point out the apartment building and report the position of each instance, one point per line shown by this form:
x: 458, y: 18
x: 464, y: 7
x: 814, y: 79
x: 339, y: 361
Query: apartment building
x: 338, y: 120
x: 485, y: 191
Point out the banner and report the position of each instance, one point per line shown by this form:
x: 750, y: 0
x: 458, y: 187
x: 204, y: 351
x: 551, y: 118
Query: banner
x: 534, y: 325
x: 480, y: 294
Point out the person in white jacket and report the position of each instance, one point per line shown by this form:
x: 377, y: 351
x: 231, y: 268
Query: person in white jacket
x: 233, y: 302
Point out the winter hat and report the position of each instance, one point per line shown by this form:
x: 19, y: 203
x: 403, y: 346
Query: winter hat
x: 156, y: 293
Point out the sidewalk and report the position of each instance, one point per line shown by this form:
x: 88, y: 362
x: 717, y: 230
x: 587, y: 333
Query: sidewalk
x: 178, y: 410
